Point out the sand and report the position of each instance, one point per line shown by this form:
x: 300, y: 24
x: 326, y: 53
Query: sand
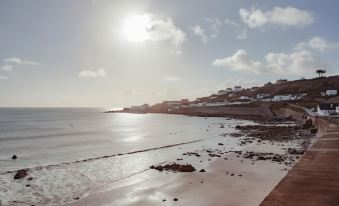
x: 249, y: 185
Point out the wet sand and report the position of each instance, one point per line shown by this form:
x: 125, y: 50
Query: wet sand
x: 244, y: 184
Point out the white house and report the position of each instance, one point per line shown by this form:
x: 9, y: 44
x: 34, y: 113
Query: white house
x: 330, y: 92
x: 244, y: 97
x: 327, y: 109
x: 261, y: 96
x: 237, y: 88
x: 285, y: 97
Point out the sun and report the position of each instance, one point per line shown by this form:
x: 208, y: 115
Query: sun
x: 135, y: 28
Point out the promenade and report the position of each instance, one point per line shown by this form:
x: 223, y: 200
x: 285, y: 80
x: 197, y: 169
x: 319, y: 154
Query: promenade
x: 314, y: 180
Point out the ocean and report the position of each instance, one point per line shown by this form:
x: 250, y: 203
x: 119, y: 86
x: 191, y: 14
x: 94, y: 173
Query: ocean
x: 72, y: 152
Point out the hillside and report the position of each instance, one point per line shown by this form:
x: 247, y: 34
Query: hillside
x: 311, y: 86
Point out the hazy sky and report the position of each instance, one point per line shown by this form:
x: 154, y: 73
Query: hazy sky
x: 111, y: 53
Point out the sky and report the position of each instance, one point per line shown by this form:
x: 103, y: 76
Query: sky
x: 111, y: 53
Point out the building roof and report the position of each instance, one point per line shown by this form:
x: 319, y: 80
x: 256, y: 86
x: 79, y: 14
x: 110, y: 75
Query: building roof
x: 328, y: 106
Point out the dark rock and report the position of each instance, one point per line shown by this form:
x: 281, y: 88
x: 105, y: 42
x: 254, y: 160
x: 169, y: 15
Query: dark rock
x: 30, y: 178
x: 21, y: 174
x: 293, y: 151
x: 14, y: 157
x: 202, y: 170
x: 175, y: 168
x: 214, y: 155
x: 76, y: 198
x: 220, y: 144
x: 175, y: 199
x: 28, y: 185
x: 278, y: 158
x: 313, y: 130
x: 159, y: 168
x: 235, y: 134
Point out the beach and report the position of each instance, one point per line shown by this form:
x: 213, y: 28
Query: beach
x: 233, y: 164
x: 234, y: 178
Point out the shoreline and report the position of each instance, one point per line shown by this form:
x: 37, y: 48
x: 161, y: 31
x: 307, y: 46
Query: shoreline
x: 224, y: 178
x: 213, y: 160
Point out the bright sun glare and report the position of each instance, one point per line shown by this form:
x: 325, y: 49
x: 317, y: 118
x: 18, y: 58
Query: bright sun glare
x: 135, y: 28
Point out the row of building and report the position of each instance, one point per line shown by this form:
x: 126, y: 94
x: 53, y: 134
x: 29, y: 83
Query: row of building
x: 225, y: 97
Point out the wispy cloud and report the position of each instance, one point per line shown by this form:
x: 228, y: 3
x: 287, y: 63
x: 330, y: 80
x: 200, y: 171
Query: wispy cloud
x: 172, y: 78
x: 200, y: 32
x: 15, y: 60
x: 210, y: 30
x: 3, y: 78
x: 288, y: 16
x: 317, y: 43
x: 92, y: 74
x: 230, y: 22
x: 7, y: 68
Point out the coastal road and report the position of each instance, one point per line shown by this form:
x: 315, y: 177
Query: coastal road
x: 314, y: 180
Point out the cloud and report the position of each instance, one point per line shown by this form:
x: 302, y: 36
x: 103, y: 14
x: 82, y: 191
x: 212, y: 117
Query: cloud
x: 214, y: 25
x: 317, y: 43
x: 92, y: 74
x: 7, y: 68
x: 242, y: 32
x: 210, y: 31
x: 198, y: 31
x: 289, y: 16
x: 299, y: 62
x: 3, y: 78
x: 240, y: 61
x: 172, y: 78
x: 164, y: 29
x: 15, y: 60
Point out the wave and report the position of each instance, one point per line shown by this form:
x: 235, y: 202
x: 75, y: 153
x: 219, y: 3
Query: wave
x: 110, y: 156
